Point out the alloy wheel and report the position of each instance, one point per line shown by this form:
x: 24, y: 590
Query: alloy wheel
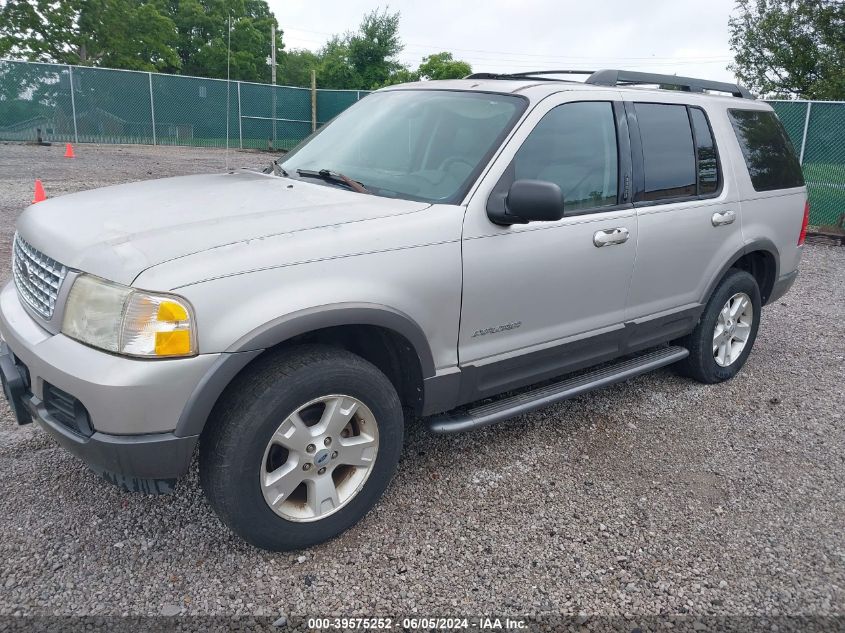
x: 319, y: 458
x: 733, y: 327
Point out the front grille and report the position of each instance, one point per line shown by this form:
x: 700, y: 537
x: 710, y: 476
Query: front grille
x: 37, y: 277
x: 67, y: 410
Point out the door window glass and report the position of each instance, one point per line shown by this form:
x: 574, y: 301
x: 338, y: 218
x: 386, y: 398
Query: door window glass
x: 668, y: 153
x: 574, y: 146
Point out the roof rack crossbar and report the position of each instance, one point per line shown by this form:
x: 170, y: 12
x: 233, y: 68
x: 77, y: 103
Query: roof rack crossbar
x: 689, y: 84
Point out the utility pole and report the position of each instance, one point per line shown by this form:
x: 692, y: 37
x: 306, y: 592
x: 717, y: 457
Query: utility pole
x: 273, y: 75
x: 313, y: 100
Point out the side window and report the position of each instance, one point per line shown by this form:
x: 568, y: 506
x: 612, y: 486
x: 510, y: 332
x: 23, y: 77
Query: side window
x: 668, y: 152
x: 574, y: 146
x: 767, y: 150
x: 708, y: 164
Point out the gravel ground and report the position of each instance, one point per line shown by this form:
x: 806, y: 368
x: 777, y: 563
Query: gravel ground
x: 657, y: 496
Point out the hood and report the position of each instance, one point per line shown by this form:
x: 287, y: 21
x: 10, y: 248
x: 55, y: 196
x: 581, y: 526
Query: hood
x: 118, y: 232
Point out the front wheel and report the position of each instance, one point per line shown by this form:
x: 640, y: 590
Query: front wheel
x: 722, y: 340
x: 302, y: 446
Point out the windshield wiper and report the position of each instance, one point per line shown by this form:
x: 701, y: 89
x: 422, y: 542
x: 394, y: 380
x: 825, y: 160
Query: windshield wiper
x: 275, y: 169
x: 334, y: 176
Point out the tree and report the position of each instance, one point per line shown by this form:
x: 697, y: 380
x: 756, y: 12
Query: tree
x: 401, y: 76
x: 366, y: 59
x: 187, y: 36
x: 443, y: 66
x: 203, y: 33
x: 295, y: 66
x: 372, y: 50
x: 336, y: 69
x: 118, y: 33
x: 790, y: 48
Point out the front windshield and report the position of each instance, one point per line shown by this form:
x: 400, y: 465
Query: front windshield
x: 417, y: 144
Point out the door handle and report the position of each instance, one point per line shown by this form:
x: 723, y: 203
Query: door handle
x: 723, y: 217
x: 609, y: 237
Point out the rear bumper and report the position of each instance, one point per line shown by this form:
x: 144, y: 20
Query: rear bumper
x: 782, y: 286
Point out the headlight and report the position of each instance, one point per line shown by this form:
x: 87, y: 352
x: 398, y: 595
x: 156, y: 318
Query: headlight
x: 127, y: 321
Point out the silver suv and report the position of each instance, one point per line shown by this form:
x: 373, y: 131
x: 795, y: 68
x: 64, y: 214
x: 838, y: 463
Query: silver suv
x: 517, y: 239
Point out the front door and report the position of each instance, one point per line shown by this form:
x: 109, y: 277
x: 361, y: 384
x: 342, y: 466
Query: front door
x: 543, y: 298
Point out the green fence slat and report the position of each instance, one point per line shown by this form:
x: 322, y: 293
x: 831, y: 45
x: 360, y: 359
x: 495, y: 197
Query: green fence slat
x: 114, y: 106
x: 792, y: 114
x: 824, y: 162
x: 32, y: 97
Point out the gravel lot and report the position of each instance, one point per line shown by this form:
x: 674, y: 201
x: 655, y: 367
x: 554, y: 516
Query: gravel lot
x: 657, y: 496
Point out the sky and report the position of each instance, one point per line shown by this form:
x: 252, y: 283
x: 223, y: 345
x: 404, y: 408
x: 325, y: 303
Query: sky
x: 683, y: 37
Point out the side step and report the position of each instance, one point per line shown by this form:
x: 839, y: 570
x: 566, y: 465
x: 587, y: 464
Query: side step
x: 456, y: 422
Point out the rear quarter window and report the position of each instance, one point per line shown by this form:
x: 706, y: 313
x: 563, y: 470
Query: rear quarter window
x: 767, y: 150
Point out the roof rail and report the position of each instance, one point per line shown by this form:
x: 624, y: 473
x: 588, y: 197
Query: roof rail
x: 538, y: 74
x: 689, y: 84
x: 609, y: 77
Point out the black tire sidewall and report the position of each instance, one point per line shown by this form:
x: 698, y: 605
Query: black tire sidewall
x: 735, y: 282
x: 246, y: 510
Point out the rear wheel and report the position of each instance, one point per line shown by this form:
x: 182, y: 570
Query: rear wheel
x: 302, y: 446
x: 722, y: 340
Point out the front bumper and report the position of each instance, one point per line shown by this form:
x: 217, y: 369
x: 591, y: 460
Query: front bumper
x: 149, y: 463
x: 132, y: 405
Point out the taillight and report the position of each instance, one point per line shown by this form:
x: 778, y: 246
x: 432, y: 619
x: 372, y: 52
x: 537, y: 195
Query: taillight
x: 804, y: 224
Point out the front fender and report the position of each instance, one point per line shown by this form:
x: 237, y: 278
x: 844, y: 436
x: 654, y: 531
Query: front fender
x: 310, y: 319
x: 244, y: 350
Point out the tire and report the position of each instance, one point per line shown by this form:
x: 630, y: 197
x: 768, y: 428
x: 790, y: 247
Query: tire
x: 706, y: 364
x: 240, y: 455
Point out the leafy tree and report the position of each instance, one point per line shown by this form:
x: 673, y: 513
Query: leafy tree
x: 366, y: 59
x: 203, y: 32
x: 295, y: 66
x: 336, y: 69
x: 443, y: 66
x: 403, y: 75
x: 118, y: 33
x: 191, y: 37
x: 135, y: 36
x: 373, y: 48
x: 187, y: 36
x: 790, y: 48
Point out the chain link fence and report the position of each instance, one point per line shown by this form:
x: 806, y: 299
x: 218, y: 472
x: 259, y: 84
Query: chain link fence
x: 817, y: 130
x: 100, y: 105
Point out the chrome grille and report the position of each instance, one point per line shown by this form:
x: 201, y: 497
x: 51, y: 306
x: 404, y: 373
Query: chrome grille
x: 37, y: 277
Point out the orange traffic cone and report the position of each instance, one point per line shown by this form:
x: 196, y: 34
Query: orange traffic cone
x: 69, y: 151
x: 40, y: 196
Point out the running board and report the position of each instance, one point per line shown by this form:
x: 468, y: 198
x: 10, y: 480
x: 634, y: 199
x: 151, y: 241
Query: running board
x: 458, y: 421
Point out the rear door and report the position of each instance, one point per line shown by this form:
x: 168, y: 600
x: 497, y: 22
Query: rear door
x: 688, y: 216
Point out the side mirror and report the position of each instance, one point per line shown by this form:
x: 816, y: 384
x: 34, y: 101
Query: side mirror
x: 528, y: 201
